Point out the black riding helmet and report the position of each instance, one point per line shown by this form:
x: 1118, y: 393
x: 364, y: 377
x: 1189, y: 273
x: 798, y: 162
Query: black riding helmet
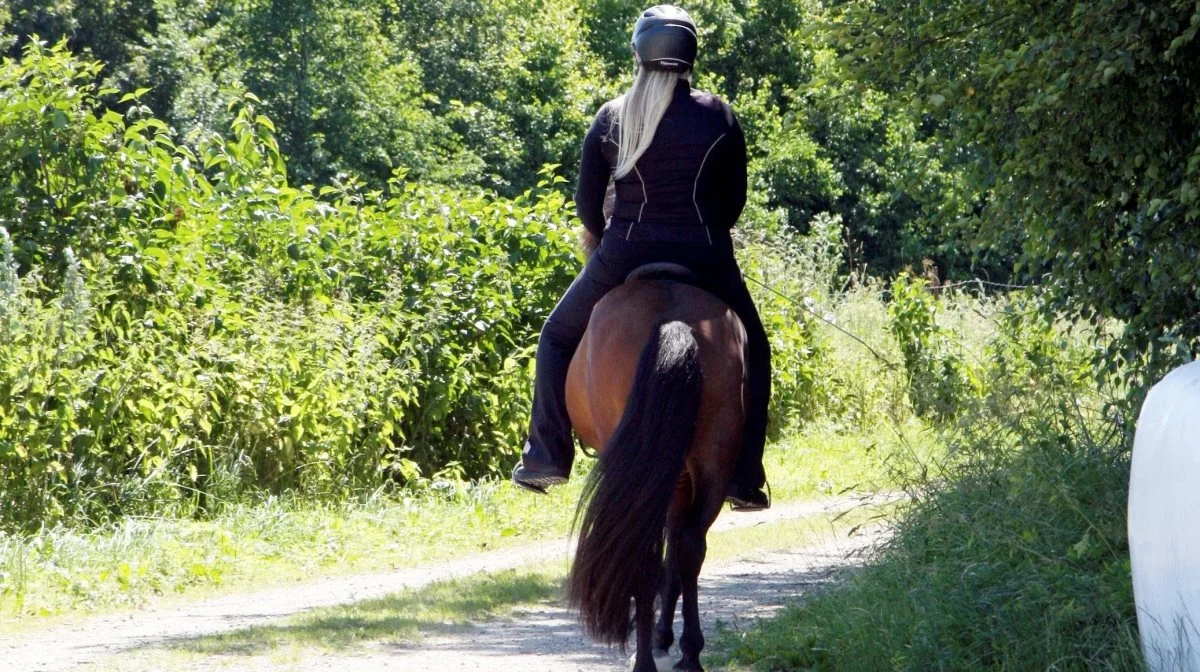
x: 664, y: 38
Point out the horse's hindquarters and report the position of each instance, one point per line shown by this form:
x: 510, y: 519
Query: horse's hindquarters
x: 600, y: 378
x: 656, y: 386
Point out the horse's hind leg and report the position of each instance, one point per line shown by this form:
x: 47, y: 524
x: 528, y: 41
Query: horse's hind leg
x: 643, y: 660
x: 692, y: 547
x: 664, y: 632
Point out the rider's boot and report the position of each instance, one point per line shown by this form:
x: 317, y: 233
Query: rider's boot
x: 536, y: 473
x: 747, y: 498
x: 746, y: 491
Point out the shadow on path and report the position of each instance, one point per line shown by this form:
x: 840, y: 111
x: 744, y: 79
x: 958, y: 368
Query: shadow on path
x: 440, y: 608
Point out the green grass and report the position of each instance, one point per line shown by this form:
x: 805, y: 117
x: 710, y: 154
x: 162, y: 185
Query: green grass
x: 828, y: 459
x: 65, y: 572
x: 446, y: 606
x: 1013, y: 556
x: 746, y: 543
x: 142, y: 560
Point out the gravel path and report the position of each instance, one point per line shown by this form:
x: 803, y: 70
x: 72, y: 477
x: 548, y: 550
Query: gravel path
x: 541, y: 638
x: 547, y: 638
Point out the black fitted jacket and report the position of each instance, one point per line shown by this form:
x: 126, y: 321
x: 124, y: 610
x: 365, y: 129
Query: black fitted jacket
x: 688, y: 187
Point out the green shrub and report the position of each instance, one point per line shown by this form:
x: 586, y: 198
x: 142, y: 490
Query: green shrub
x: 939, y: 381
x: 1011, y: 552
x: 222, y: 333
x: 56, y: 155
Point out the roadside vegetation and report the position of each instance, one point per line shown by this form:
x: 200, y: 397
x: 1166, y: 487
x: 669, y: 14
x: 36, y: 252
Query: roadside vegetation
x: 1010, y: 551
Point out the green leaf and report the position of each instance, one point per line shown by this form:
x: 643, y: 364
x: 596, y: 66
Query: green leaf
x: 159, y: 255
x: 133, y: 96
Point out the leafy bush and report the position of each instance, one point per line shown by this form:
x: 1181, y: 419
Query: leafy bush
x: 1011, y: 552
x: 939, y: 381
x: 222, y: 332
x: 56, y: 191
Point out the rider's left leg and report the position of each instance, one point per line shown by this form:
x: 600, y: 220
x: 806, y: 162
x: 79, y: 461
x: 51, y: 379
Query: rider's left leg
x: 548, y: 453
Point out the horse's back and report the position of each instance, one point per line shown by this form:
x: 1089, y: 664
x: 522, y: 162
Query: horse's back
x: 605, y: 365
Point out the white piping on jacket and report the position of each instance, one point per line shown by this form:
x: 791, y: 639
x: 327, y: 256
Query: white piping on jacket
x: 696, y: 185
x: 645, y: 199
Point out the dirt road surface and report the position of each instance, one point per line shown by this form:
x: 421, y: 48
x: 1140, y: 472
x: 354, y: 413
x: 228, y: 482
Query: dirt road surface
x: 541, y: 637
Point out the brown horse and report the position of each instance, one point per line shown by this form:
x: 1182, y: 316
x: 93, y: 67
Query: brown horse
x: 656, y: 387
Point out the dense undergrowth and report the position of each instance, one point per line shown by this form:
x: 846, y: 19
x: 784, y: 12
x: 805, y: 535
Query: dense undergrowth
x: 1011, y: 552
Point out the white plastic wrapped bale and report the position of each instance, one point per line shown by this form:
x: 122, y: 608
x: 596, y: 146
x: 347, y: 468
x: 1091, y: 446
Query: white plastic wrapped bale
x: 1164, y: 522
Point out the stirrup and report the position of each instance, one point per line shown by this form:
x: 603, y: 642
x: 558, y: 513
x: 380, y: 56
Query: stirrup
x: 539, y: 484
x: 535, y: 482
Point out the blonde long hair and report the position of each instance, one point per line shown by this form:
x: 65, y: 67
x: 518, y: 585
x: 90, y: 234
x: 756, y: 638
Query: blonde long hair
x: 637, y: 113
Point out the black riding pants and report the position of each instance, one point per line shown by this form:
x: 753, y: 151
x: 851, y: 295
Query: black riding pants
x: 550, y: 443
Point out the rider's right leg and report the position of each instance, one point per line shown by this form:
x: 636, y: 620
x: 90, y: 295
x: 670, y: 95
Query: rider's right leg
x: 747, y: 492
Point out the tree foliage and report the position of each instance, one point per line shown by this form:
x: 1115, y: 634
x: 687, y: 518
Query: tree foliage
x: 343, y: 99
x: 485, y: 92
x: 1083, y: 122
x: 513, y: 78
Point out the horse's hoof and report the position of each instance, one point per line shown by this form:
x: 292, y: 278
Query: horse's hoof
x: 663, y: 660
x: 652, y: 666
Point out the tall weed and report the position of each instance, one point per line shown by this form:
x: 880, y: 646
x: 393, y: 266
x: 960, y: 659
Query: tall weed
x: 1011, y: 553
x: 939, y: 380
x: 789, y: 276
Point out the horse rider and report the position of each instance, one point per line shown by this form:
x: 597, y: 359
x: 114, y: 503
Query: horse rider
x: 677, y: 157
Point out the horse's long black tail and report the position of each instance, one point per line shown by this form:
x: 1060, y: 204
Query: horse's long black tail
x: 620, y: 550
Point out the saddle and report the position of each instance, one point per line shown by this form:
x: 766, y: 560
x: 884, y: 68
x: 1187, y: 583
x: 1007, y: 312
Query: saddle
x: 664, y: 271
